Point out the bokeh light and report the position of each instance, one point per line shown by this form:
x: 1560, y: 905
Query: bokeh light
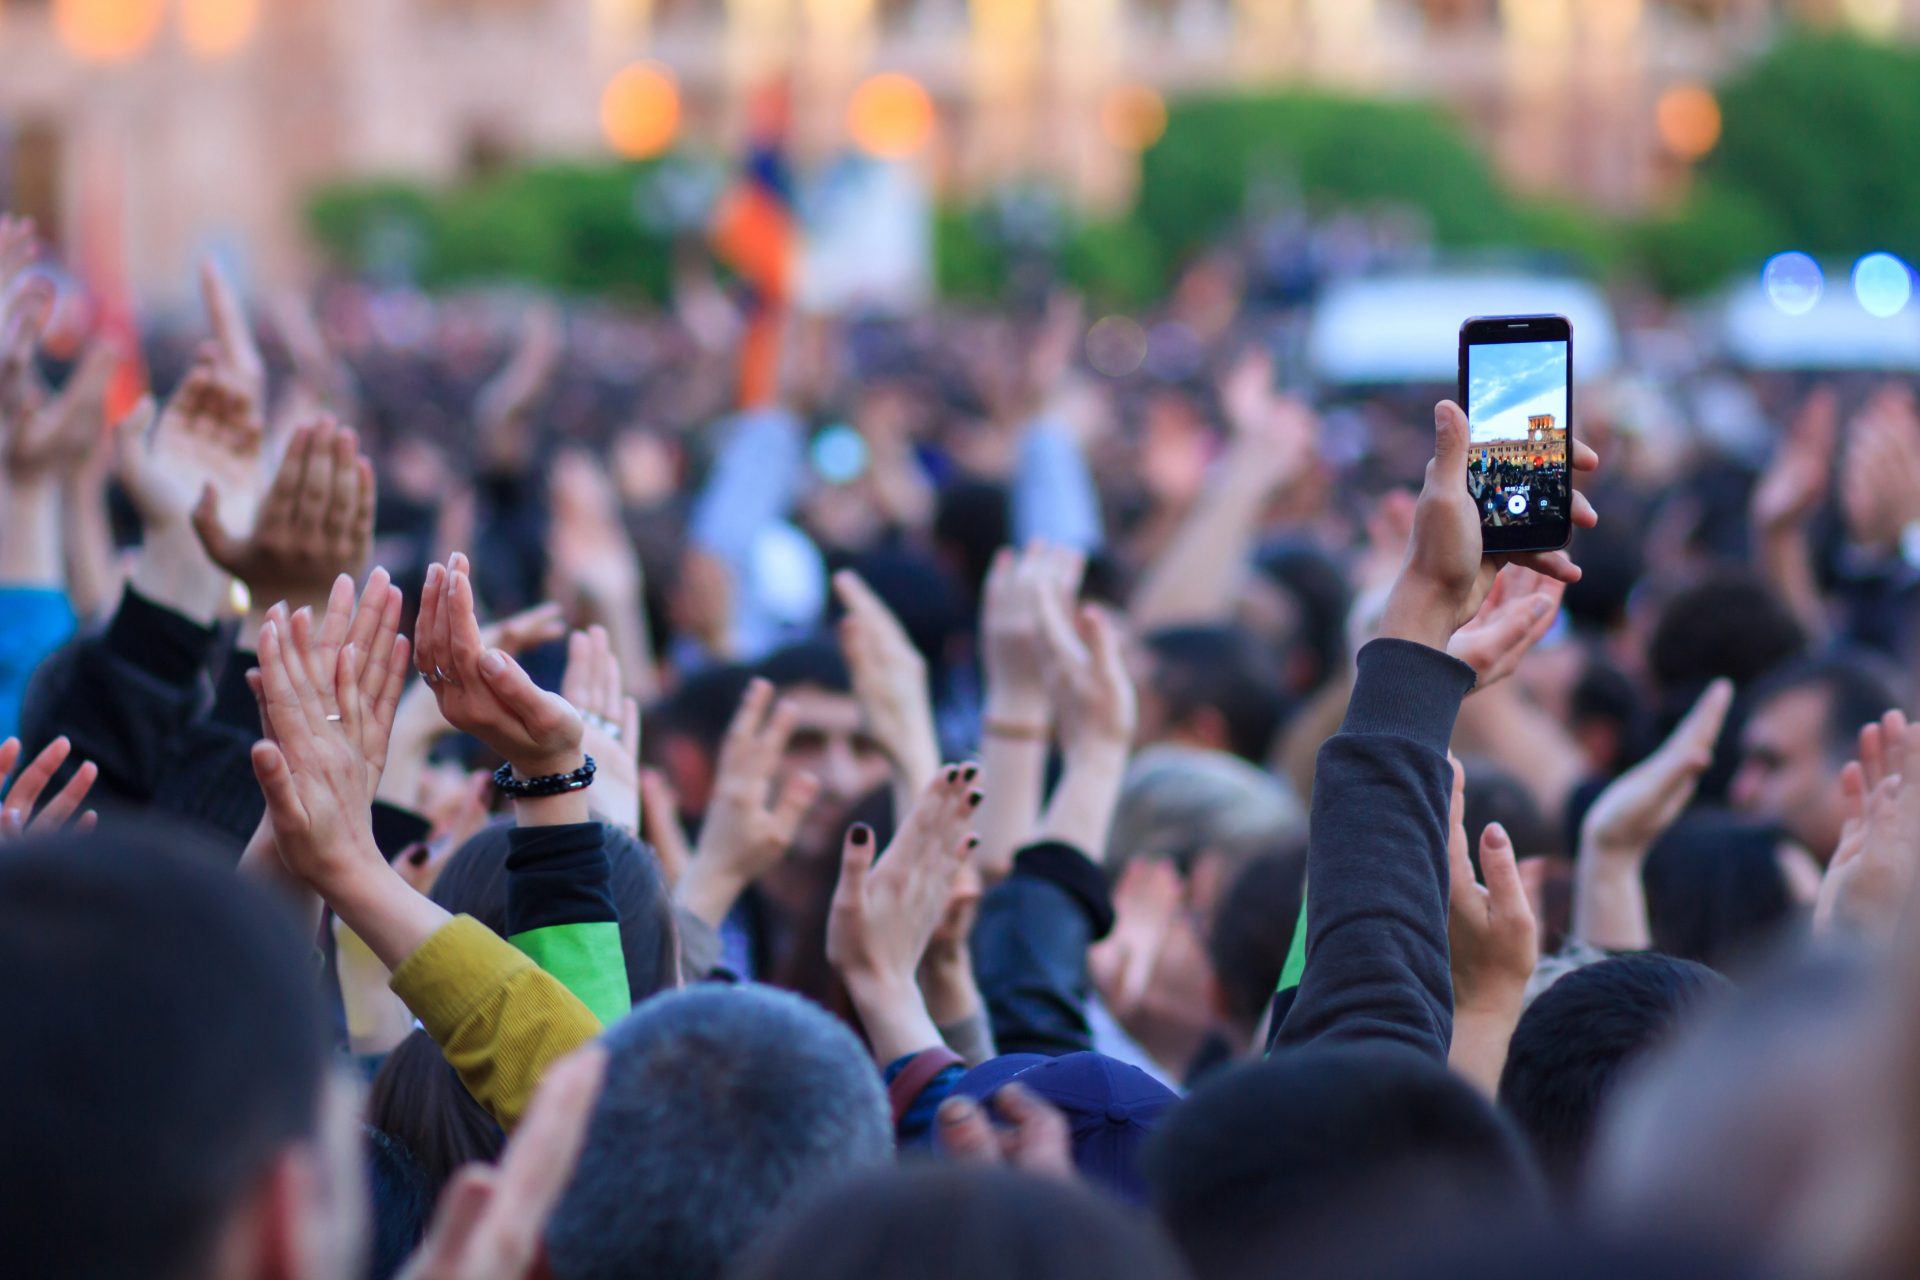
x: 1793, y: 282
x: 890, y: 116
x: 1882, y: 283
x: 1116, y: 346
x: 1875, y: 17
x: 1687, y: 118
x: 215, y: 28
x: 107, y: 30
x: 1133, y: 117
x: 640, y: 110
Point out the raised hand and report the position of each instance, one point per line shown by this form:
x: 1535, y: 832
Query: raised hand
x: 1445, y: 578
x: 1795, y: 483
x: 1274, y: 435
x: 1032, y: 1135
x: 611, y: 723
x: 748, y: 828
x: 890, y: 681
x: 885, y: 913
x: 1880, y: 475
x: 660, y: 824
x: 233, y: 351
x: 1868, y: 880
x: 56, y: 436
x: 506, y: 403
x: 1093, y: 698
x: 208, y: 436
x: 316, y: 522
x: 482, y: 690
x: 1610, y: 908
x: 491, y: 1219
x: 310, y: 762
x: 1013, y: 641
x: 1518, y: 611
x: 1492, y: 942
x: 17, y: 799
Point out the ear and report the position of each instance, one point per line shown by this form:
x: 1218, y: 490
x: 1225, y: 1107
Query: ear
x: 267, y: 1232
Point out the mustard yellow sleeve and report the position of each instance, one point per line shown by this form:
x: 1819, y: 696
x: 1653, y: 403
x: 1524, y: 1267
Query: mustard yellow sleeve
x: 496, y: 1015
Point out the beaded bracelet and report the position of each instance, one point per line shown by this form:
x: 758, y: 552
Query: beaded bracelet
x: 553, y: 784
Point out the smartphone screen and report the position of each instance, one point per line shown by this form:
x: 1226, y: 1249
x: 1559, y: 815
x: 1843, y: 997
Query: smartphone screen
x: 1516, y: 383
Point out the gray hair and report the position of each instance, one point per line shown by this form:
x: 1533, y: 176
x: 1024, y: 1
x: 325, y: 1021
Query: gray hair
x: 1184, y: 800
x: 722, y: 1106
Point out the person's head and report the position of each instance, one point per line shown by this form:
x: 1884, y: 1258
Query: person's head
x: 474, y: 883
x: 1207, y: 810
x: 1210, y: 687
x: 1720, y: 888
x: 953, y: 1222
x: 1291, y: 1157
x: 1732, y: 625
x: 831, y: 739
x: 170, y: 1110
x: 1297, y: 605
x: 1580, y: 1035
x: 1802, y: 725
x: 722, y: 1107
x: 685, y: 729
x: 1251, y: 934
x: 418, y: 1101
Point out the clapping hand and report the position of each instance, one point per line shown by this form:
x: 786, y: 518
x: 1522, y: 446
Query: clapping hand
x: 885, y: 913
x: 890, y: 681
x: 316, y: 522
x: 1868, y: 879
x: 17, y: 799
x: 483, y: 691
x: 748, y: 828
x: 611, y: 726
x: 1492, y: 942
x: 1517, y: 612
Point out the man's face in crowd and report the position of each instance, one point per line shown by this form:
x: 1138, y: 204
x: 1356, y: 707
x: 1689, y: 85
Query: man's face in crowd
x: 830, y: 741
x: 1786, y: 774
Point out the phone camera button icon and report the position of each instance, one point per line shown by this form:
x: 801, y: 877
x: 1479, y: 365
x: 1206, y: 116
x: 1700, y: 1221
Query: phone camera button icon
x: 1517, y: 504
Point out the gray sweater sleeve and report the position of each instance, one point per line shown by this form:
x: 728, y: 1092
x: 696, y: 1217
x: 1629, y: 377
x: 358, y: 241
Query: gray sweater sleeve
x: 1377, y: 964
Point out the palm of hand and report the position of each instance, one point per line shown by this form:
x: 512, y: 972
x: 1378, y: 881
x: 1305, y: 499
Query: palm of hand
x: 201, y: 443
x: 472, y: 707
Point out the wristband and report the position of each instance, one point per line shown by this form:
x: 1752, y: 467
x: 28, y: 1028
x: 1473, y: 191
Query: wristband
x: 552, y: 784
x: 1013, y: 729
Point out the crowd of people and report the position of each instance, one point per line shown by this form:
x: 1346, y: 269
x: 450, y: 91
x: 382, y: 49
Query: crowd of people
x: 479, y: 803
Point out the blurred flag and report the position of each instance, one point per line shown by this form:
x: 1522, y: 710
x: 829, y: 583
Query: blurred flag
x: 101, y: 264
x: 754, y: 233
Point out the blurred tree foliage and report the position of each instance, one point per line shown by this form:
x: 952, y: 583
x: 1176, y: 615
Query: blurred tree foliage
x: 1819, y: 151
x: 569, y: 226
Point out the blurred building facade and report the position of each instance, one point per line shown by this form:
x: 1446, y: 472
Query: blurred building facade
x: 213, y: 118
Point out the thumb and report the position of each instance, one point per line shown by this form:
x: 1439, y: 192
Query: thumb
x: 1450, y: 439
x: 213, y: 535
x: 276, y: 784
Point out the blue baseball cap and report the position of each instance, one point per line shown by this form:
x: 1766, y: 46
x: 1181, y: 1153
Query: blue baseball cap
x: 1110, y: 1106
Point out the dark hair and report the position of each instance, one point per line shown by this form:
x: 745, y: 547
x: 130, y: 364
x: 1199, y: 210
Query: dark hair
x: 701, y: 706
x: 1574, y: 1042
x: 1494, y: 794
x: 474, y: 883
x: 948, y: 1222
x: 1318, y: 587
x: 1715, y: 890
x: 1859, y: 688
x: 1252, y: 931
x: 166, y: 1043
x: 1289, y: 1157
x: 723, y: 1107
x: 816, y: 663
x: 418, y: 1101
x: 1221, y: 669
x: 971, y: 521
x: 1730, y: 625
x: 398, y: 1187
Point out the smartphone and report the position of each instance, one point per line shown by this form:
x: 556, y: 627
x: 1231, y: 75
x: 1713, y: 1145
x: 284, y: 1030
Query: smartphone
x: 1516, y: 384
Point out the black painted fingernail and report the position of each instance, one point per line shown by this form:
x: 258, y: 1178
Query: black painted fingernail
x: 970, y: 772
x: 974, y: 798
x: 418, y: 857
x: 973, y: 842
x: 952, y: 773
x: 861, y: 834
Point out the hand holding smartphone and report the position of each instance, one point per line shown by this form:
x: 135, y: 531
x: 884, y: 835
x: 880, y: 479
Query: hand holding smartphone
x: 1516, y: 385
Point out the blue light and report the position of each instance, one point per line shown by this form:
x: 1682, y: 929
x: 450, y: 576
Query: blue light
x: 1882, y: 283
x: 1793, y: 282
